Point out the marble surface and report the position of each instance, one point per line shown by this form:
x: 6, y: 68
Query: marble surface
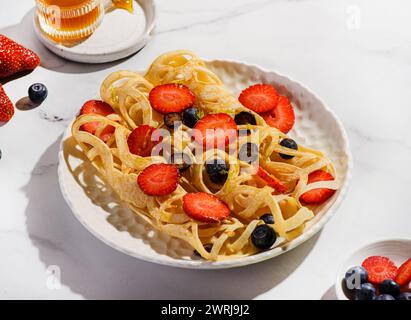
x: 354, y: 54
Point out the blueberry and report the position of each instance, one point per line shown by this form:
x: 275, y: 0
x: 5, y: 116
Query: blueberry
x: 355, y: 277
x: 385, y: 297
x: 181, y: 159
x: 245, y: 117
x: 389, y: 286
x: 267, y: 218
x: 365, y: 292
x: 207, y: 248
x: 288, y: 143
x: 172, y: 119
x: 405, y: 296
x: 248, y: 152
x: 217, y: 170
x: 263, y: 237
x: 191, y: 116
x: 38, y: 93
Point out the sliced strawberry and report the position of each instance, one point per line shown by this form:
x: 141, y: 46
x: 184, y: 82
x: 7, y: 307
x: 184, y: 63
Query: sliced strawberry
x: 259, y: 98
x: 270, y: 180
x: 141, y: 141
x: 14, y: 58
x: 205, y: 207
x: 281, y: 116
x: 215, y: 130
x: 6, y: 107
x: 317, y: 196
x: 379, y: 268
x: 167, y: 98
x: 100, y: 108
x: 96, y: 107
x: 107, y: 133
x: 404, y: 273
x: 158, y: 179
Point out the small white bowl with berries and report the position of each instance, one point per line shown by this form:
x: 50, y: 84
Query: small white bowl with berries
x: 378, y: 271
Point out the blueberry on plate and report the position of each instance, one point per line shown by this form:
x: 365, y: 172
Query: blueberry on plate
x: 288, y: 143
x: 385, y: 297
x: 267, y: 218
x: 191, y: 116
x: 217, y: 170
x: 404, y: 296
x: 207, y: 247
x: 355, y: 277
x: 263, y: 237
x: 245, y: 117
x: 172, y: 119
x: 365, y: 292
x: 248, y: 152
x: 389, y: 286
x: 181, y: 159
x: 38, y: 92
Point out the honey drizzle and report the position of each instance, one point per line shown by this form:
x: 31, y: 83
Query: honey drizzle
x: 123, y: 4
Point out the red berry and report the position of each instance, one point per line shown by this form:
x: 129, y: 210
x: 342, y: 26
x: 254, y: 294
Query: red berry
x: 404, y: 273
x: 270, y: 180
x: 281, y: 116
x: 167, y: 98
x: 379, y: 268
x: 15, y: 58
x: 215, y: 130
x: 97, y: 107
x: 259, y: 98
x: 141, y: 141
x: 6, y: 106
x: 158, y: 179
x: 205, y: 207
x: 317, y: 196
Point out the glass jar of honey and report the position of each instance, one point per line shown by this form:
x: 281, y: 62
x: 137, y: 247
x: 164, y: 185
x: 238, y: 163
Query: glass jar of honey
x: 71, y: 21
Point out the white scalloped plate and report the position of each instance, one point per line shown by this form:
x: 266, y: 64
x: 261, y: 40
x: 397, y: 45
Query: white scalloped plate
x: 98, y: 209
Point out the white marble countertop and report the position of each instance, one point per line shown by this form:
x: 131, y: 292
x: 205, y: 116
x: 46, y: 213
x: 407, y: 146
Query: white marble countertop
x: 355, y: 54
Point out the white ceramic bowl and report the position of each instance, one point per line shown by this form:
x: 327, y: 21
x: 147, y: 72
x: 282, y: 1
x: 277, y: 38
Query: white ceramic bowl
x: 398, y: 250
x: 98, y: 209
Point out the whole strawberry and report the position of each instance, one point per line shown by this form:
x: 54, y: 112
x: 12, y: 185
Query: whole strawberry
x: 15, y: 58
x: 6, y: 107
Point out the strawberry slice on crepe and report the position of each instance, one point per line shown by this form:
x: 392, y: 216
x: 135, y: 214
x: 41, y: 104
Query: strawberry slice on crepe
x: 167, y: 98
x: 158, y: 179
x: 99, y: 108
x: 317, y: 196
x: 215, y: 129
x: 281, y: 116
x: 205, y: 207
x: 259, y: 98
x: 270, y: 180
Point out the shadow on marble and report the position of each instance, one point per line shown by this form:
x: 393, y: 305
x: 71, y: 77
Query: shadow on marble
x: 96, y: 271
x: 25, y: 104
x: 120, y: 216
x: 330, y: 294
x: 24, y: 34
